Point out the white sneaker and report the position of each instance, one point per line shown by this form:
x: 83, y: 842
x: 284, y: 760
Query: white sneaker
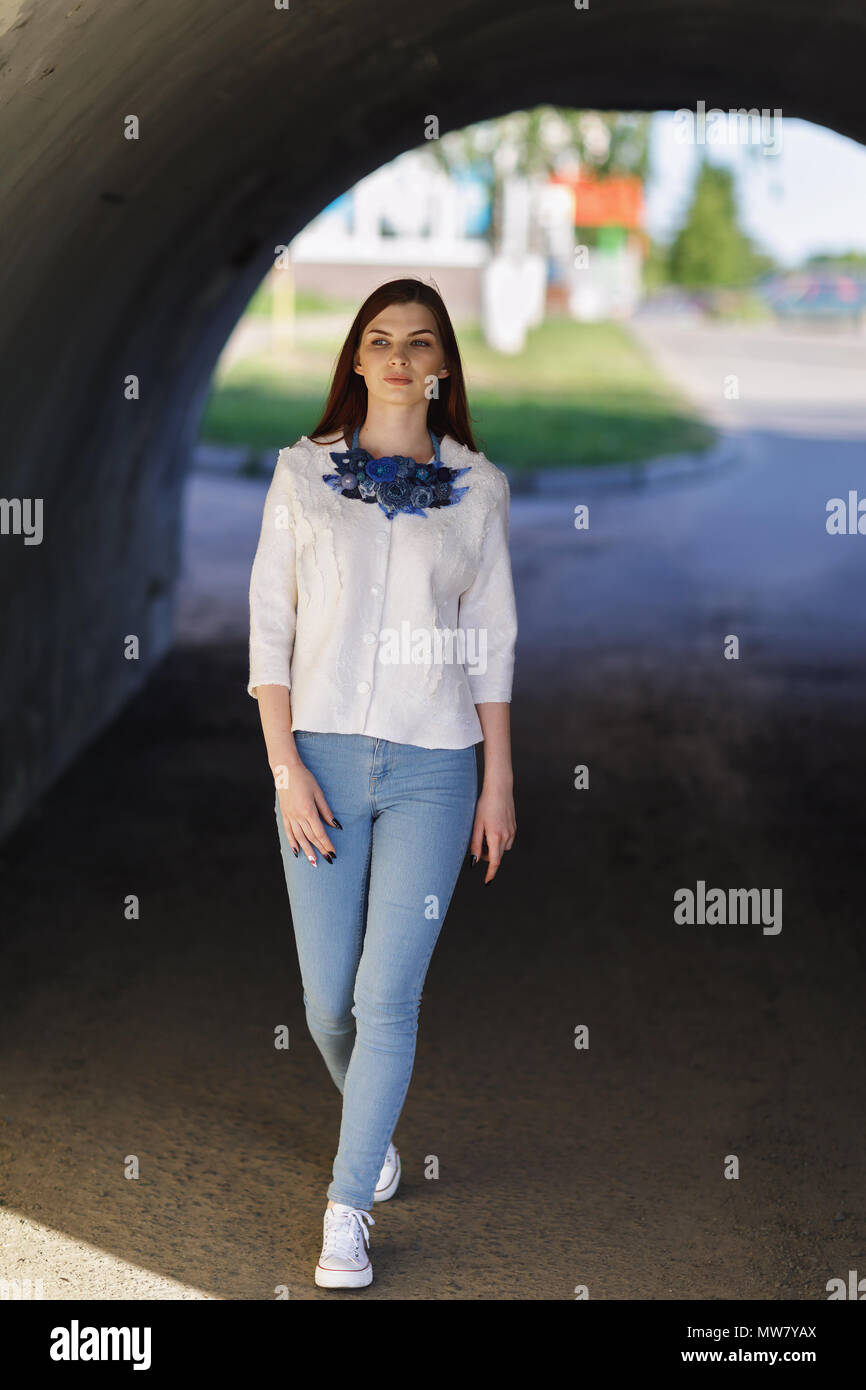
x: 344, y: 1262
x: 389, y: 1178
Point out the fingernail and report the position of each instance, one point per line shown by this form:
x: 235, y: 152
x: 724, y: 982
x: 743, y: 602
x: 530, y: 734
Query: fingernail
x: 475, y: 859
x: 295, y: 853
x: 336, y: 823
x: 331, y: 857
x: 312, y: 861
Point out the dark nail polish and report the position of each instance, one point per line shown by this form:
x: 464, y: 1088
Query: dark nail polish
x: 295, y: 853
x: 336, y: 823
x: 331, y: 857
x: 475, y: 859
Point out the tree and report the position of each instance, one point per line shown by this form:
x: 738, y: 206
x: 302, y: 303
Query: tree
x: 836, y: 260
x: 536, y: 143
x: 710, y: 249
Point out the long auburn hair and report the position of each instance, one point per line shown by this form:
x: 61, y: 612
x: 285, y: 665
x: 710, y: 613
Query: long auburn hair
x: 346, y: 406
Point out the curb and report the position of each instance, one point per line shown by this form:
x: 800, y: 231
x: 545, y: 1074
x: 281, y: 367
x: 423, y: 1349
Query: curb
x: 553, y: 482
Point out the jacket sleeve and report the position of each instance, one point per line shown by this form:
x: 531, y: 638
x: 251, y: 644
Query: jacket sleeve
x: 488, y: 607
x: 274, y: 587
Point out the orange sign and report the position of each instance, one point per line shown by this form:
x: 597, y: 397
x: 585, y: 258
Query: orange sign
x: 613, y: 202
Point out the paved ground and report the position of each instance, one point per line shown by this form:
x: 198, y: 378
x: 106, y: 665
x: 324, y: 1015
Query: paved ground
x: 558, y: 1167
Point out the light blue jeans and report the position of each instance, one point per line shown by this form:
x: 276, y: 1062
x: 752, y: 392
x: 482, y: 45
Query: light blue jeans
x: 367, y: 924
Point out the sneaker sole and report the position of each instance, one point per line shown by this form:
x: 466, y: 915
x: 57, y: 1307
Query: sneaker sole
x: 344, y: 1278
x: 389, y: 1191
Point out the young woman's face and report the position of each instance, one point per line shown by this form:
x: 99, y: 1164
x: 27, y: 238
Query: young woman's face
x: 401, y: 355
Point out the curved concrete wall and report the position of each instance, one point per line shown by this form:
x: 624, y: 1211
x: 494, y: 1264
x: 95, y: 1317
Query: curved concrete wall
x: 137, y: 256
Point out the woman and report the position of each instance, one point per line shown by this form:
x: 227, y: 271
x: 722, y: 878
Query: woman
x: 382, y: 632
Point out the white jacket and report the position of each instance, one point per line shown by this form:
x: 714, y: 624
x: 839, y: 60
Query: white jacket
x: 359, y: 615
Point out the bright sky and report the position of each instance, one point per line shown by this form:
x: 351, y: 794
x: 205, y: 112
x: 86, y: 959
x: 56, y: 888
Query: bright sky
x: 808, y: 197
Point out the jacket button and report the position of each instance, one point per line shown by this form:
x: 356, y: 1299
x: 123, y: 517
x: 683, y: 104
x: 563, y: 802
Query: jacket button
x: 362, y: 687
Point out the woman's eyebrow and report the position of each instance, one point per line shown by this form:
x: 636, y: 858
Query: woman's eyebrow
x: 386, y: 332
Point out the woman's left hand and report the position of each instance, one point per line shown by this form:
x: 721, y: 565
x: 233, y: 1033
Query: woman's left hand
x: 495, y: 823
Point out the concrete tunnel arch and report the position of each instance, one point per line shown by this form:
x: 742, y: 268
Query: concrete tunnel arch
x: 139, y: 256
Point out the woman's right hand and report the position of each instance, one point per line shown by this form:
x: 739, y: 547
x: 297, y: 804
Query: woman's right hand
x: 303, y: 806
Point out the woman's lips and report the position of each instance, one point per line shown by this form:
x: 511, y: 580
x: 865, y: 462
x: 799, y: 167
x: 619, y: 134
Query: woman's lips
x: 399, y: 380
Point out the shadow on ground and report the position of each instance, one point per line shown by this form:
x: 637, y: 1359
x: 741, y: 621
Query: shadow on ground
x: 557, y: 1167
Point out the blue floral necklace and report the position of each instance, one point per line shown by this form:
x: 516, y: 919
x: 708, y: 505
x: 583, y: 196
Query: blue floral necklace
x: 398, y: 484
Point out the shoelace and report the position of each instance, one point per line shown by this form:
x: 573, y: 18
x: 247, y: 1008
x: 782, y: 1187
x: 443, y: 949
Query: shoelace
x: 342, y: 1234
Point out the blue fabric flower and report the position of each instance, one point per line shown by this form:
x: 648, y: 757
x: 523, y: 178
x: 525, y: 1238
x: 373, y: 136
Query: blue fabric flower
x: 396, y: 483
x: 422, y: 496
x: 382, y: 470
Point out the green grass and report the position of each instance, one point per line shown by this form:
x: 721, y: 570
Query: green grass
x: 306, y: 302
x: 579, y: 394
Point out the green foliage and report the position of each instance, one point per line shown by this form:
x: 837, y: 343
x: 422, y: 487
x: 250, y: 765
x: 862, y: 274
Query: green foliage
x: 656, y: 266
x: 710, y: 250
x: 839, y: 260
x: 533, y: 143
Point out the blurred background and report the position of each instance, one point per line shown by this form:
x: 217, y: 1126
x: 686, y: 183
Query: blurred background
x: 551, y: 234
x: 641, y: 303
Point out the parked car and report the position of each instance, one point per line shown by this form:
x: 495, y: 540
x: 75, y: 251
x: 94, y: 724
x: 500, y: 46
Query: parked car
x: 816, y: 295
